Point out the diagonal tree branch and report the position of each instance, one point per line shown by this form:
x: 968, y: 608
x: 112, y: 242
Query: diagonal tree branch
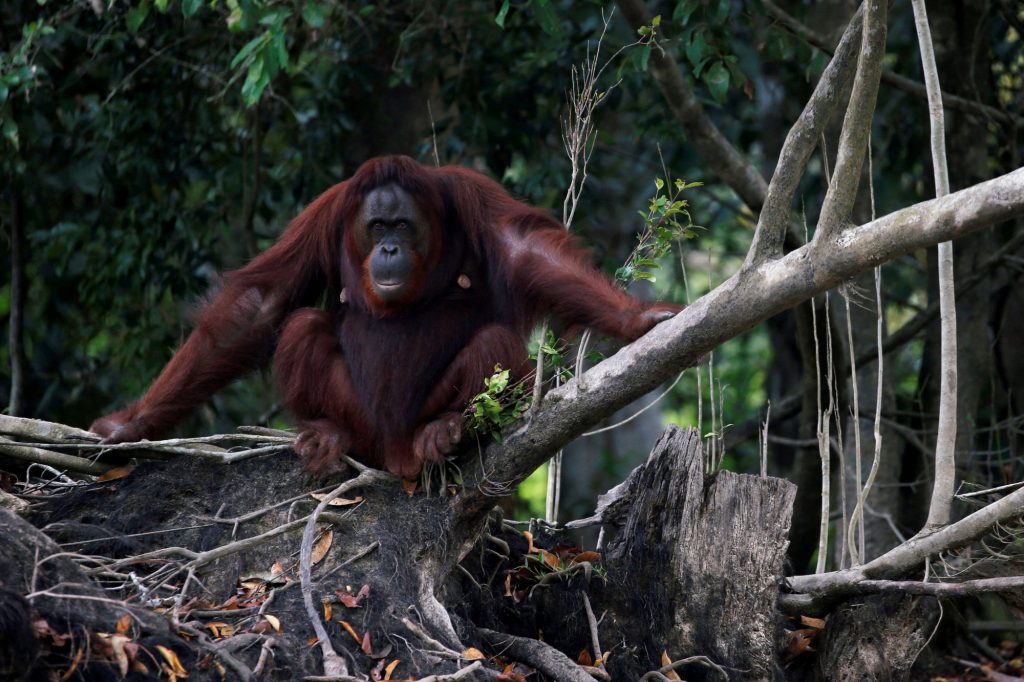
x: 747, y: 298
x: 800, y: 144
x: 853, y: 141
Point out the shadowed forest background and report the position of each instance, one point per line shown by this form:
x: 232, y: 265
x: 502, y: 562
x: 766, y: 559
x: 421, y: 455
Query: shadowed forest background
x: 147, y: 146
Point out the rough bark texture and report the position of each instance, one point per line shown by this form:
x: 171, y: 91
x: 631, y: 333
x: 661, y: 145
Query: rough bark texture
x: 878, y: 638
x: 708, y: 553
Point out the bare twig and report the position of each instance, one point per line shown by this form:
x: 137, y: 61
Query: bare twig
x: 595, y: 641
x: 854, y: 539
x: 865, y: 489
x: 16, y: 331
x: 435, y: 647
x: 662, y: 672
x: 333, y: 663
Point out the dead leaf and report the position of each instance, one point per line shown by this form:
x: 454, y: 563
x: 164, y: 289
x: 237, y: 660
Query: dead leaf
x: 118, y: 653
x: 604, y: 658
x: 274, y: 621
x: 671, y: 674
x: 220, y: 629
x: 586, y: 556
x: 530, y: 549
x: 115, y: 473
x: 550, y: 559
x: 276, y: 572
x: 43, y: 630
x: 173, y: 664
x: 350, y: 601
x: 366, y: 646
x: 328, y: 611
x: 799, y: 642
x: 813, y: 622
x: 410, y: 487
x: 472, y: 654
x: 322, y: 546
x: 74, y: 665
x: 585, y: 658
x: 337, y: 501
x: 352, y: 631
x: 508, y: 585
x: 124, y: 624
x: 391, y: 668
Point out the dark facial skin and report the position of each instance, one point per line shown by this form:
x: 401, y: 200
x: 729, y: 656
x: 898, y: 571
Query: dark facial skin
x: 394, y: 238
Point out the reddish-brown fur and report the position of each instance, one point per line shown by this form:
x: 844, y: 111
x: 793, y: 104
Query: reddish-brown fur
x: 387, y: 384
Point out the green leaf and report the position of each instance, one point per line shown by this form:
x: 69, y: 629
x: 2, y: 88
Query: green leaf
x: 696, y: 48
x: 161, y: 6
x: 684, y: 9
x: 314, y: 15
x: 502, y: 13
x: 643, y: 56
x: 721, y: 13
x: 190, y: 7
x: 282, y: 50
x: 717, y: 79
x: 10, y: 131
x: 137, y: 15
x: 547, y: 17
x: 3, y: 93
x: 276, y: 16
x: 248, y: 49
x: 98, y: 344
x: 255, y: 82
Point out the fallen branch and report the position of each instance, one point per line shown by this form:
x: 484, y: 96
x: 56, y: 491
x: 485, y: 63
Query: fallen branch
x: 913, y: 552
x: 964, y: 589
x: 57, y: 460
x: 537, y: 654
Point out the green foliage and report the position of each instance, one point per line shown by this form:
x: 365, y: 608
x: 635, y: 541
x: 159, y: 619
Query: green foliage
x: 666, y: 220
x: 499, y: 405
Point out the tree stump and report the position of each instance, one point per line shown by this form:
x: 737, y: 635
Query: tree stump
x: 696, y: 567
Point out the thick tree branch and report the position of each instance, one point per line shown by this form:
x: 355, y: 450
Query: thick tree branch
x: 741, y: 302
x: 701, y: 132
x: 800, y: 143
x: 853, y: 141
